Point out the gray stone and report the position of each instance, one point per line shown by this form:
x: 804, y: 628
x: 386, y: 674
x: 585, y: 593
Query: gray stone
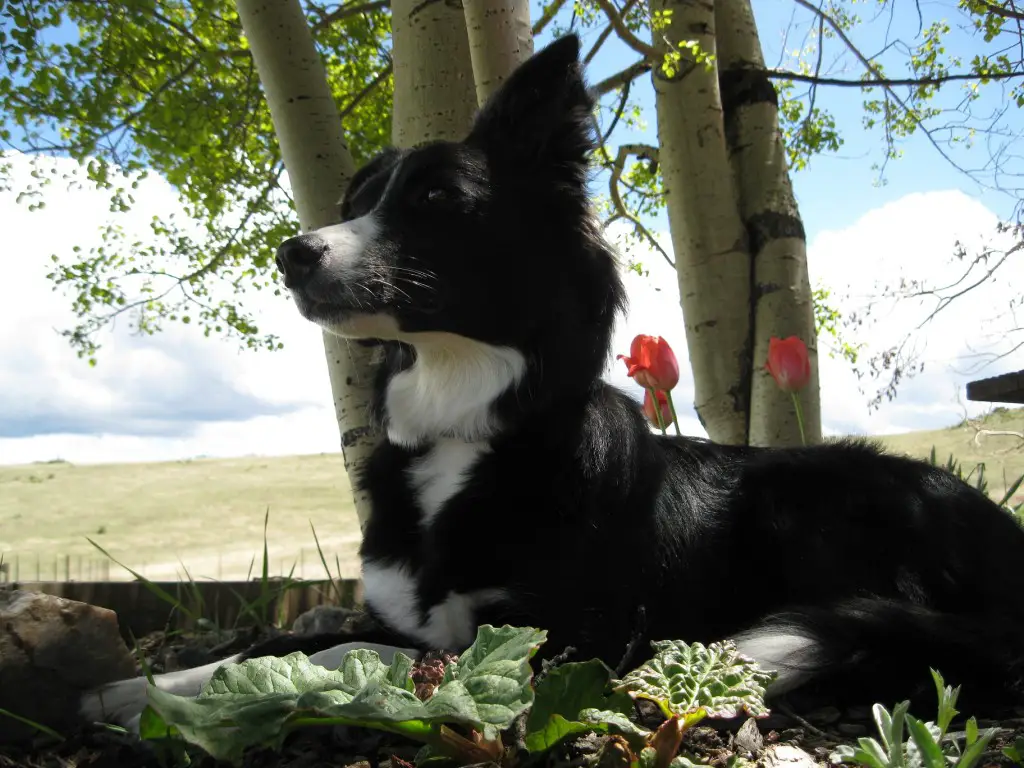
x: 328, y: 619
x: 51, y: 650
x: 787, y: 756
x: 748, y: 738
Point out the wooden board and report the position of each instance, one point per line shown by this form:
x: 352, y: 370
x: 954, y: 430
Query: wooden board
x: 1008, y: 388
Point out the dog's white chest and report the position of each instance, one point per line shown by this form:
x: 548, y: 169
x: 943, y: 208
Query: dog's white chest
x: 442, y: 472
x: 390, y: 589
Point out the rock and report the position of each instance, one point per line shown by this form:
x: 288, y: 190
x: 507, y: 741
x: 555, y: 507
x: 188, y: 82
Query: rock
x: 851, y: 729
x: 826, y: 715
x: 51, y: 650
x: 748, y: 738
x: 328, y: 619
x: 787, y: 756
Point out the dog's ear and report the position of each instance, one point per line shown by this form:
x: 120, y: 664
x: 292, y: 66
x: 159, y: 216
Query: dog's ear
x: 542, y: 112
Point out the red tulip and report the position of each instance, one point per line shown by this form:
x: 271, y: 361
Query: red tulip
x: 651, y: 363
x: 666, y: 411
x: 789, y: 363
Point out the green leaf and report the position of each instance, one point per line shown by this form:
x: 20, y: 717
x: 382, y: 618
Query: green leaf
x: 976, y: 748
x: 1016, y: 751
x: 890, y: 727
x: 696, y: 681
x: 926, y: 741
x: 614, y: 722
x: 565, y: 694
x: 947, y: 701
x: 490, y: 683
x: 972, y: 731
x: 259, y: 701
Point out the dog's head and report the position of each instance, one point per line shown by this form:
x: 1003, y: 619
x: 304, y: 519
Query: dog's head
x: 490, y: 238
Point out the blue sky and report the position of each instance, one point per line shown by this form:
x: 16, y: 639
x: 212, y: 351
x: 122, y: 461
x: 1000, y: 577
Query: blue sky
x: 178, y: 394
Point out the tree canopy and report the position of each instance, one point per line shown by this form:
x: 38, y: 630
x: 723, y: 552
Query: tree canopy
x: 139, y: 86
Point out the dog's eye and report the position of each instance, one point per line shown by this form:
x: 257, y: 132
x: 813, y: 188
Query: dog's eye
x: 434, y: 195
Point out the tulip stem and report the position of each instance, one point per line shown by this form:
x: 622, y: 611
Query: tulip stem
x: 672, y: 410
x: 799, y: 417
x: 657, y: 409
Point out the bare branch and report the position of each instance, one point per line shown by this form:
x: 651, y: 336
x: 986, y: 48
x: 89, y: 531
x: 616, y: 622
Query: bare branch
x: 547, y: 16
x: 621, y: 212
x: 606, y: 33
x: 625, y: 33
x: 945, y: 301
x: 623, y: 78
x: 367, y: 89
x: 888, y: 82
x: 623, y: 99
x: 348, y: 10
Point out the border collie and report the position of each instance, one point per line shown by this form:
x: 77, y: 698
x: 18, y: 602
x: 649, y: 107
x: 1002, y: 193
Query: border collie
x: 515, y: 486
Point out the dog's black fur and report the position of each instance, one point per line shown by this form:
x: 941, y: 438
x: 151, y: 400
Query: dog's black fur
x: 581, y: 515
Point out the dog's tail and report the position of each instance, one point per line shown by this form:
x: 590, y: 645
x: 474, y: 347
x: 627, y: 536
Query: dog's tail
x: 871, y: 650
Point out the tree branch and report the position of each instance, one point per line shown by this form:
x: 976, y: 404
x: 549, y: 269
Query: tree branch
x: 621, y: 212
x: 886, y: 82
x: 1002, y: 12
x: 367, y: 89
x: 606, y: 33
x: 620, y: 79
x: 625, y: 33
x: 618, y: 113
x: 873, y: 69
x: 547, y: 16
x: 347, y: 10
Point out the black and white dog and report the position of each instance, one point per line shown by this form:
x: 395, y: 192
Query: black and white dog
x: 517, y: 487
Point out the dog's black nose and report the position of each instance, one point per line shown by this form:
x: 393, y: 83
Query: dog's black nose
x: 298, y: 256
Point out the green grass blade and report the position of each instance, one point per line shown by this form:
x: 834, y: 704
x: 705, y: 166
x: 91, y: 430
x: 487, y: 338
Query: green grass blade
x: 1010, y: 490
x: 32, y: 724
x: 154, y: 588
x: 974, y: 752
x: 335, y: 584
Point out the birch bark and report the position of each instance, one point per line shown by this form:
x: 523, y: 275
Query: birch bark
x: 500, y: 38
x: 780, y: 295
x: 708, y: 237
x: 319, y: 165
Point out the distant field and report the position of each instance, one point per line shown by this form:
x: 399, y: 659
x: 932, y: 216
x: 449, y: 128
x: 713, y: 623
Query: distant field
x: 209, y: 513
x: 1002, y: 455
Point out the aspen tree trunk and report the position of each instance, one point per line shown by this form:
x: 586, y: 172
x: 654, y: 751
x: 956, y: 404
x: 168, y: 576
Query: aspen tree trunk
x: 708, y: 237
x: 315, y: 153
x: 435, y: 97
x: 782, y: 304
x: 500, y: 39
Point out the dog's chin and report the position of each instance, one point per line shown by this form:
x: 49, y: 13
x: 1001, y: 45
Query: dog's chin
x: 349, y: 323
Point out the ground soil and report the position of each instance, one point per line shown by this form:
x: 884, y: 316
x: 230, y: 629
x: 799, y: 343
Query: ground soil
x: 817, y: 733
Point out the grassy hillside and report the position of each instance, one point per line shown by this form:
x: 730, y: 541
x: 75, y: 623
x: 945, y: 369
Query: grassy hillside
x: 209, y: 513
x: 971, y: 445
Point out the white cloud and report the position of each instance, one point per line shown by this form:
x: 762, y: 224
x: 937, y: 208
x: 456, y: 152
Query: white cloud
x: 913, y: 238
x: 177, y: 394
x: 164, y: 396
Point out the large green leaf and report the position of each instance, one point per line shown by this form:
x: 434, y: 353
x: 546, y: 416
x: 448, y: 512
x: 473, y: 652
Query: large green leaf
x: 695, y: 681
x: 259, y: 701
x: 575, y: 698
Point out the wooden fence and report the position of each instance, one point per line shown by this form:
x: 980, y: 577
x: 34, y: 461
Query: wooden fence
x: 140, y: 611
